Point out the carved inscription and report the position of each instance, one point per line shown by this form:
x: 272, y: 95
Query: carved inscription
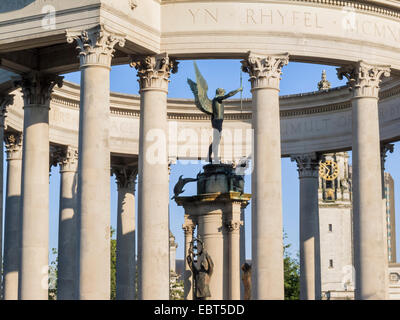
x: 345, y: 23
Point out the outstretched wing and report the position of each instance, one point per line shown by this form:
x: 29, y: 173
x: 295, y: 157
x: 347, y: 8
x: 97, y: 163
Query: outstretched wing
x: 199, y: 90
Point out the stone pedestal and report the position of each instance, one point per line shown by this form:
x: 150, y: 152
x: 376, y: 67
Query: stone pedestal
x: 217, y: 210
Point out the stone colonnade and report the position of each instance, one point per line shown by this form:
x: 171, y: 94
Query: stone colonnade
x: 85, y: 190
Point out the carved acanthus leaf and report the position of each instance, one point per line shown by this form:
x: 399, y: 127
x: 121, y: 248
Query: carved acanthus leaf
x: 96, y: 45
x: 154, y: 71
x: 364, y: 79
x: 265, y: 71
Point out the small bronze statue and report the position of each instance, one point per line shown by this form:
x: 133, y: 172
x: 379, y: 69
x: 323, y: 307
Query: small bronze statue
x: 213, y: 107
x: 178, y: 189
x: 202, y: 269
x: 246, y: 278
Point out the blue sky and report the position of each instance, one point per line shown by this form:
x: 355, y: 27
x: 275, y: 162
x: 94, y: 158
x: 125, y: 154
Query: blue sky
x: 296, y: 78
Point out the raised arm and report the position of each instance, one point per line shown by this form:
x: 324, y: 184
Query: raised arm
x: 231, y: 94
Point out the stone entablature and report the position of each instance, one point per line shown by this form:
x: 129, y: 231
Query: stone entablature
x: 321, y: 120
x: 334, y: 32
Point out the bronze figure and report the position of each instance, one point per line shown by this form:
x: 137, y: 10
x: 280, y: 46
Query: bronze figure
x: 213, y: 107
x: 202, y: 269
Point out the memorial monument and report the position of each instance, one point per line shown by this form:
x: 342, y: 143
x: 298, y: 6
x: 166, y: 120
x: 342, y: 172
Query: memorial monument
x: 98, y: 130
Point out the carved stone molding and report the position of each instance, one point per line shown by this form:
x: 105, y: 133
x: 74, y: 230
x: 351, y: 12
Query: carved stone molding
x: 37, y: 87
x: 5, y: 101
x: 307, y: 164
x: 154, y: 71
x: 233, y: 225
x: 13, y: 143
x: 65, y: 156
x: 265, y: 71
x: 96, y: 45
x: 364, y: 79
x: 126, y: 177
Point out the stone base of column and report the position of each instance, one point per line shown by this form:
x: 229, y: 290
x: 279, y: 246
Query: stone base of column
x: 217, y: 209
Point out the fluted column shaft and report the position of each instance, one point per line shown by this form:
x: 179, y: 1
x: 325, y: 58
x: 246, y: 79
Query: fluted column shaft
x: 36, y: 89
x: 369, y: 255
x: 153, y: 191
x: 12, y: 229
x: 188, y: 228
x: 310, y: 262
x: 267, y: 247
x: 68, y: 227
x: 96, y: 47
x: 126, y: 234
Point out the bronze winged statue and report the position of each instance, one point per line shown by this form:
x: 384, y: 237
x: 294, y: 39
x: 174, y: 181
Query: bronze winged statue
x: 213, y: 107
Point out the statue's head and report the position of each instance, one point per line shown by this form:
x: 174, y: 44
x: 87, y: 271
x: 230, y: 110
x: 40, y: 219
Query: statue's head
x: 220, y: 92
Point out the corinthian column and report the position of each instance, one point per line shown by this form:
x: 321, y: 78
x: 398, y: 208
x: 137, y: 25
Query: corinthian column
x: 68, y: 227
x: 96, y: 48
x: 310, y: 263
x: 5, y: 101
x: 12, y: 229
x: 369, y: 255
x: 153, y: 192
x: 36, y: 89
x: 126, y: 231
x: 267, y: 238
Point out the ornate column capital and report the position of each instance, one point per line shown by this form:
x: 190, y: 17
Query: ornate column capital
x: 65, y: 156
x: 307, y: 164
x: 13, y: 143
x: 96, y: 45
x: 5, y: 101
x: 154, y: 71
x: 37, y: 87
x: 233, y: 225
x: 384, y: 149
x: 126, y: 177
x: 264, y: 71
x: 364, y: 79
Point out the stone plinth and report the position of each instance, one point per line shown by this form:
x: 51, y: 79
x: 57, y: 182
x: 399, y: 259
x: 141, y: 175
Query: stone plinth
x: 216, y: 210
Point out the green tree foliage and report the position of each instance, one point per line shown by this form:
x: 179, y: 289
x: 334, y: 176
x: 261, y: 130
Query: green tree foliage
x: 291, y: 274
x: 113, y: 265
x: 53, y: 276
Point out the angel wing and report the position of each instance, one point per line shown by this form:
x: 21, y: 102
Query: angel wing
x: 199, y: 90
